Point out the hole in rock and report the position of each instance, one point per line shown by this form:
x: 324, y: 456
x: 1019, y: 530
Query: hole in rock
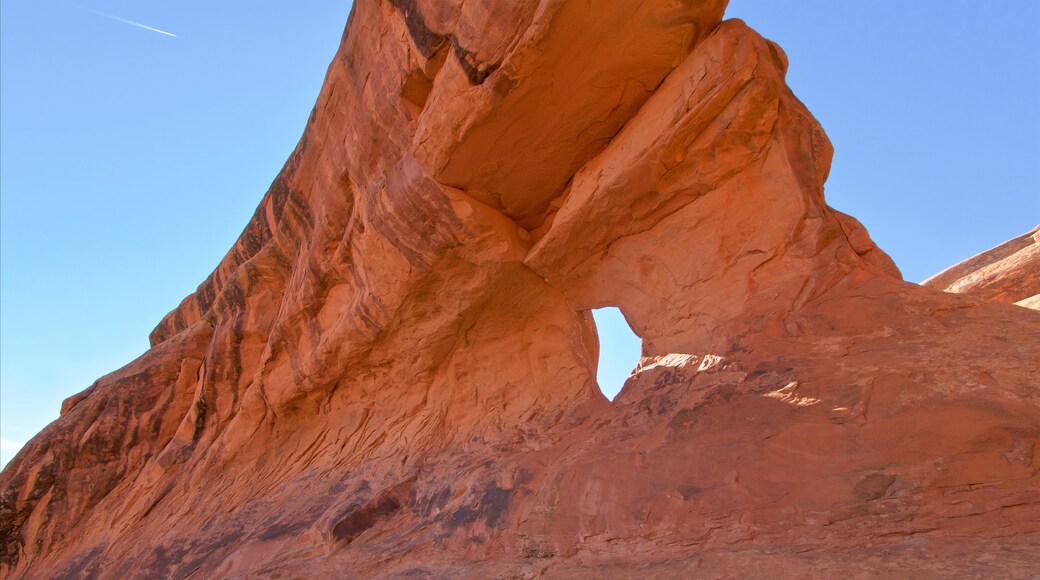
x: 619, y: 350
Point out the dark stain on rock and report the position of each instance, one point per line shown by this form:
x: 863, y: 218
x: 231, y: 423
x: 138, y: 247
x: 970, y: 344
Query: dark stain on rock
x: 429, y: 42
x: 667, y: 378
x: 689, y: 492
x: 283, y: 529
x: 11, y: 520
x: 493, y: 505
x: 200, y: 419
x: 524, y: 476
x: 426, y: 505
x: 417, y: 572
x: 360, y: 519
x: 87, y: 564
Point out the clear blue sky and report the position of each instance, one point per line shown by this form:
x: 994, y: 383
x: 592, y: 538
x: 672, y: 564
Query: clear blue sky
x: 130, y: 160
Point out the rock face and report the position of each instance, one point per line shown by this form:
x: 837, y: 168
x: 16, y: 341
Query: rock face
x: 1009, y: 272
x: 392, y: 372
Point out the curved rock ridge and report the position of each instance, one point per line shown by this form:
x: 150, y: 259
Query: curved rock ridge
x: 392, y: 372
x: 1009, y: 272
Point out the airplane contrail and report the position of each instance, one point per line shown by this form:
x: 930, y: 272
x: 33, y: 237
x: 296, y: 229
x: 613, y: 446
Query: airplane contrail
x: 132, y: 23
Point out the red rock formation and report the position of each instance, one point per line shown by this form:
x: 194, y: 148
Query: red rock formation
x: 1009, y: 272
x: 393, y: 370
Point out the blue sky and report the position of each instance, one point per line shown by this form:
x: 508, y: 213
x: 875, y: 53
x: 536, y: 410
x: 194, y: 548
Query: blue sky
x: 130, y: 160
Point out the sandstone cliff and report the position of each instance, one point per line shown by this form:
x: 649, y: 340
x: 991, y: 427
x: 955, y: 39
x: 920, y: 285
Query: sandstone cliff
x: 1009, y: 272
x: 392, y: 372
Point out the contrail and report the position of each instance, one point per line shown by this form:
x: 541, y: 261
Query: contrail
x: 132, y: 23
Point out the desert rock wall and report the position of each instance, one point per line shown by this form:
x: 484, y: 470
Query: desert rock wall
x: 392, y: 372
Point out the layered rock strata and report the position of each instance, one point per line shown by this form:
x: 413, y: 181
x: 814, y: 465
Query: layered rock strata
x: 392, y: 372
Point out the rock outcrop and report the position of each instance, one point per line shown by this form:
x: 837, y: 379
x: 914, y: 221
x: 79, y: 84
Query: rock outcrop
x: 392, y: 372
x: 1009, y: 272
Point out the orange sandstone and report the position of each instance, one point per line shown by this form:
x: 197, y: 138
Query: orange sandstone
x: 392, y: 372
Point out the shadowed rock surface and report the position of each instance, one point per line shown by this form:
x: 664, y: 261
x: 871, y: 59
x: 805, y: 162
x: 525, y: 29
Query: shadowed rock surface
x: 392, y: 372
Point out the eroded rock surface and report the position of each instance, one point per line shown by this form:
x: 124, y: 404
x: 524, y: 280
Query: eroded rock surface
x: 392, y: 373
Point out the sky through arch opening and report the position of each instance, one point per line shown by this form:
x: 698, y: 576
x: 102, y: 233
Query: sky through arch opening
x: 619, y: 350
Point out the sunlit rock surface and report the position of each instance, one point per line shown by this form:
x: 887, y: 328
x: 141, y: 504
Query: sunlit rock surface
x: 1009, y: 272
x: 392, y: 372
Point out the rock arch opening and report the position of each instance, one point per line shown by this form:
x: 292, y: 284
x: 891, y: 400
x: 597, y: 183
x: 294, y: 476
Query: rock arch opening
x: 620, y: 349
